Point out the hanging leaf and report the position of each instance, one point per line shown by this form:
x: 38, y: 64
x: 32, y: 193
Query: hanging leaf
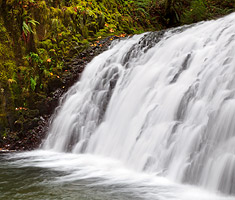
x: 33, y: 83
x: 25, y: 28
x: 34, y: 22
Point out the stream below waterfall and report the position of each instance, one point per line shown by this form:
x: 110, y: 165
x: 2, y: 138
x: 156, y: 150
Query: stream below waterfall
x: 41, y: 175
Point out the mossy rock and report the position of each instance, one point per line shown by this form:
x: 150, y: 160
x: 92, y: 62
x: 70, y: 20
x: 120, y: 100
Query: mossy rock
x: 84, y: 31
x: 93, y: 26
x: 47, y: 44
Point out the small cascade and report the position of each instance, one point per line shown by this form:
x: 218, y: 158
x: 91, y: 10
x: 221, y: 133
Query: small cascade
x: 161, y: 102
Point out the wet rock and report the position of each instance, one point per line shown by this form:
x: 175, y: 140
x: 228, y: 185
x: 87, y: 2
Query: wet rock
x: 54, y: 83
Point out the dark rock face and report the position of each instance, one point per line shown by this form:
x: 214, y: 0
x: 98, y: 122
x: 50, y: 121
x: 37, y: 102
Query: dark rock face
x: 34, y: 128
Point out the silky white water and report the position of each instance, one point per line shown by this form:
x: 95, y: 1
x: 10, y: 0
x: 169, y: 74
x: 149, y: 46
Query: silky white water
x: 50, y: 175
x: 159, y: 103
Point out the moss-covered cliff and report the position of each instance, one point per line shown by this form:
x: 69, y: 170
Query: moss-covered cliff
x: 36, y: 37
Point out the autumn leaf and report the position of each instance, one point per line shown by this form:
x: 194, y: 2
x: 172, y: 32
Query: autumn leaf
x: 11, y: 81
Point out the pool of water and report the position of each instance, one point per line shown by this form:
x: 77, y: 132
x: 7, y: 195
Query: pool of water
x: 49, y: 175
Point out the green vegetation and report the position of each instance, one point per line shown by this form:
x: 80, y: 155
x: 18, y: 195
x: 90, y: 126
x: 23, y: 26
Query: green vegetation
x: 36, y: 37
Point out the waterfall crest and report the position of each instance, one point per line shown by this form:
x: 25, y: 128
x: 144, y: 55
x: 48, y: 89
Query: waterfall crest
x: 159, y: 102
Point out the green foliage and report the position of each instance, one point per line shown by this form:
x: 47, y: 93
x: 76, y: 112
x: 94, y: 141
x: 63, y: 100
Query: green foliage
x: 33, y: 83
x: 206, y: 9
x: 26, y: 27
x: 197, y: 12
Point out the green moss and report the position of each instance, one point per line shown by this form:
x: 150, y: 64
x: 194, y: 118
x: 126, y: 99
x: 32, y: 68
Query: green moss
x: 47, y: 44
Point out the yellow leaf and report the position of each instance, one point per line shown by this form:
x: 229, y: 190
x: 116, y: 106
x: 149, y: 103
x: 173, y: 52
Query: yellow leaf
x: 11, y: 81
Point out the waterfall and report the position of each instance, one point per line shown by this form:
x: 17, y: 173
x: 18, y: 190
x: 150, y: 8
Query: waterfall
x: 159, y: 102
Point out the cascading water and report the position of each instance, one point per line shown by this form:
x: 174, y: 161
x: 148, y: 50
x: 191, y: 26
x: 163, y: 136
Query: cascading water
x: 159, y: 102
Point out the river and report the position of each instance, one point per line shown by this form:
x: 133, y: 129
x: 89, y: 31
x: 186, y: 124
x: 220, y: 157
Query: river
x: 45, y: 175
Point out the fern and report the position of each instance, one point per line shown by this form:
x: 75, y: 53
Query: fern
x: 33, y: 83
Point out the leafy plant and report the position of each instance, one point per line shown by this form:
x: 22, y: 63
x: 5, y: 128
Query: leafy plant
x: 35, y: 57
x: 196, y: 12
x: 33, y: 83
x: 27, y: 27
